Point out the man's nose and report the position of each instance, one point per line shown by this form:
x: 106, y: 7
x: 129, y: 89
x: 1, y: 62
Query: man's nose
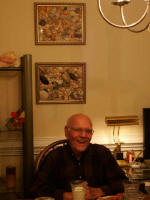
x: 83, y: 133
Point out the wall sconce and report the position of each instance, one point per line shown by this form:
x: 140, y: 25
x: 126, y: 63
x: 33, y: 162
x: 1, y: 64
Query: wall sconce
x: 122, y: 120
x: 121, y: 4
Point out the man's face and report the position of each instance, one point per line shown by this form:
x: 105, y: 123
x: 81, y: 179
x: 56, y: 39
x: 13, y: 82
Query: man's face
x: 79, y: 133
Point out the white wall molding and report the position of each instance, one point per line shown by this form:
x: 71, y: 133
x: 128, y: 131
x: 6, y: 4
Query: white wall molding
x: 13, y: 146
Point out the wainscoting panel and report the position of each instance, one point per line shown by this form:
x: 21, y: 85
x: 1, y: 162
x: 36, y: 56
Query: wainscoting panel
x: 13, y: 146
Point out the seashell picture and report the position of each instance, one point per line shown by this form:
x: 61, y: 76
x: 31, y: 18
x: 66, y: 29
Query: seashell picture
x: 59, y: 23
x: 60, y: 83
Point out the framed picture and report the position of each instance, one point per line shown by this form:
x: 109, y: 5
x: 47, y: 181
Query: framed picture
x: 59, y: 23
x: 60, y: 83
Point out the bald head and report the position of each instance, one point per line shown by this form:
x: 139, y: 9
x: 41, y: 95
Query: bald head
x: 78, y: 131
x: 76, y: 118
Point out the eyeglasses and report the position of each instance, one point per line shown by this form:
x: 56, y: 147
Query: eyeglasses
x: 87, y: 130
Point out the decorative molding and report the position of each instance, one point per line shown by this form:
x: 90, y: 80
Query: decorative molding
x: 11, y: 151
x: 13, y: 146
x: 127, y: 146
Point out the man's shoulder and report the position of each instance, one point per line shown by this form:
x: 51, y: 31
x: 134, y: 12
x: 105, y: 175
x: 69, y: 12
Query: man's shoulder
x: 57, y: 151
x: 98, y: 147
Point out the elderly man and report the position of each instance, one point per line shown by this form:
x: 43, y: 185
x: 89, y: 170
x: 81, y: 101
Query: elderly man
x: 79, y: 160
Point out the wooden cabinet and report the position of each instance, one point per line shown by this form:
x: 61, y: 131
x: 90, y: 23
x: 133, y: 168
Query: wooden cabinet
x: 146, y: 130
x: 25, y: 71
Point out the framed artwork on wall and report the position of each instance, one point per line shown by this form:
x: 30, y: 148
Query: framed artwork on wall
x: 59, y: 23
x: 60, y: 83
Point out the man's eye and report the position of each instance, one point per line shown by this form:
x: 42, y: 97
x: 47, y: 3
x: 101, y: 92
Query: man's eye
x: 88, y: 130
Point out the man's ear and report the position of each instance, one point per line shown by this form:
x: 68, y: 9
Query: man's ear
x: 66, y: 132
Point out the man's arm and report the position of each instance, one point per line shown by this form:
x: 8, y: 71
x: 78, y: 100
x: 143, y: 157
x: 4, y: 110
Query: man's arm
x: 44, y: 182
x: 67, y: 196
x: 113, y: 174
x: 94, y: 193
x: 90, y: 193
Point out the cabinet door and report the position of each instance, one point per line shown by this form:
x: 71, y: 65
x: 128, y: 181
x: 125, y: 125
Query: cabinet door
x: 146, y: 125
x: 11, y: 153
x: 16, y: 147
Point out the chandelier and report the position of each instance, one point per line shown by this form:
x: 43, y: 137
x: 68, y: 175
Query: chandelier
x: 121, y: 4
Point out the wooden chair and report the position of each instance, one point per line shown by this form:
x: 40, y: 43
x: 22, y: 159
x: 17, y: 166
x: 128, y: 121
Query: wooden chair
x: 42, y: 155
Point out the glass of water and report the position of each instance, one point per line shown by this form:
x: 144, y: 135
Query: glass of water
x: 78, y: 190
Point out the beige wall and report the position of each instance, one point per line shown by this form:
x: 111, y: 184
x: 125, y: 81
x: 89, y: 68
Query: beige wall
x: 117, y: 70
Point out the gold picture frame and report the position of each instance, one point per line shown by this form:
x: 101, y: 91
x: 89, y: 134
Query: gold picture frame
x: 59, y: 23
x: 60, y: 83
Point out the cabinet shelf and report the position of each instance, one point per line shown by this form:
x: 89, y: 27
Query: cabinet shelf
x: 11, y: 68
x: 8, y: 130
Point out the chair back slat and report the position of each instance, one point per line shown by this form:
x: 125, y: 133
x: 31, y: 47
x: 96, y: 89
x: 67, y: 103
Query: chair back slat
x: 42, y: 155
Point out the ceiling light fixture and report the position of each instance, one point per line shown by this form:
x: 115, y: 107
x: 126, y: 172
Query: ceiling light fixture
x: 121, y: 4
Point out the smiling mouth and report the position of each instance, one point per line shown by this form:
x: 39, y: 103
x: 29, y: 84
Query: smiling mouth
x: 82, y: 142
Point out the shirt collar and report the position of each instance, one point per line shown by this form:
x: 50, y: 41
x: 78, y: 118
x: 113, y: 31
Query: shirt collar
x: 72, y: 153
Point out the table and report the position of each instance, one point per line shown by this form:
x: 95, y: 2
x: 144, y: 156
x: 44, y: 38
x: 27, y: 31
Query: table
x: 147, y: 197
x: 11, y: 196
x: 18, y: 196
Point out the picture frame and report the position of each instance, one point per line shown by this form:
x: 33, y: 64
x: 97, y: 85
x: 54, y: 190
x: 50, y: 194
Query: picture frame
x: 60, y: 23
x: 60, y: 83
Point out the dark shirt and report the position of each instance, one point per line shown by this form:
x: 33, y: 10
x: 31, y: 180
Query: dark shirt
x: 97, y: 166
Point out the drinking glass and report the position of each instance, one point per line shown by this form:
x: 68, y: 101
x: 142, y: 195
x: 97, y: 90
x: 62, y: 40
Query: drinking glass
x: 131, y: 191
x: 44, y: 198
x: 147, y: 186
x: 11, y: 178
x: 78, y: 189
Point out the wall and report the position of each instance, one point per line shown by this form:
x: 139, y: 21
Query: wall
x: 117, y: 70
